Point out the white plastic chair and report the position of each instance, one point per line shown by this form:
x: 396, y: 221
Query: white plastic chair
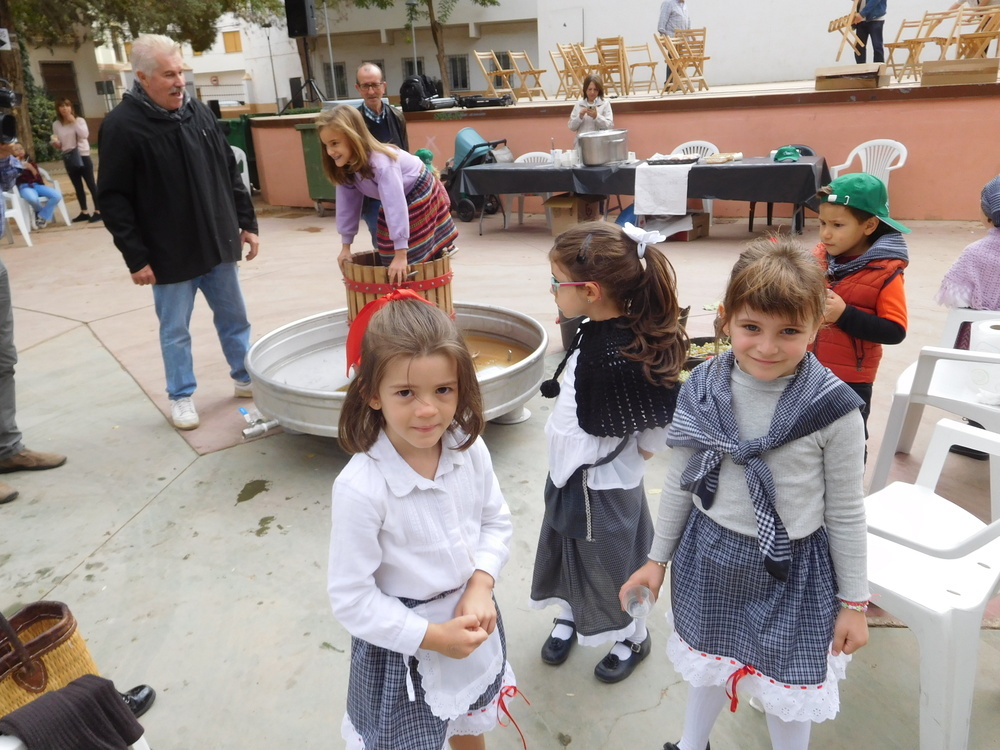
x: 702, y: 148
x: 244, y: 166
x: 878, y: 157
x: 63, y: 211
x: 15, y: 211
x: 532, y: 157
x: 940, y: 377
x: 936, y: 567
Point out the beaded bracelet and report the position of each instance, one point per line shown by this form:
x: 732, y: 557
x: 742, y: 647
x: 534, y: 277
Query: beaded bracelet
x: 856, y: 606
x: 661, y: 564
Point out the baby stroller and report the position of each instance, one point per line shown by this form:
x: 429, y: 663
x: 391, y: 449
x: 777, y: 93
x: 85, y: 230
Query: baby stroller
x: 472, y: 149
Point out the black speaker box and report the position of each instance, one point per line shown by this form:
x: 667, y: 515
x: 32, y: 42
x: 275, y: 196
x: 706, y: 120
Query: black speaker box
x: 301, y: 17
x: 295, y: 84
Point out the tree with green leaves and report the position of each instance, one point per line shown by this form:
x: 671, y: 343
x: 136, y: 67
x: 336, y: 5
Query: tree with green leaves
x: 45, y: 23
x: 436, y: 12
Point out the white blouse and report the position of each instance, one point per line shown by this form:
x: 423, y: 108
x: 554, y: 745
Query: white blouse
x: 398, y: 534
x: 570, y: 447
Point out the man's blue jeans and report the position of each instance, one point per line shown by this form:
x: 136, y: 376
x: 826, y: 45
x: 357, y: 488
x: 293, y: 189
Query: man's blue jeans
x: 174, y: 303
x: 10, y: 436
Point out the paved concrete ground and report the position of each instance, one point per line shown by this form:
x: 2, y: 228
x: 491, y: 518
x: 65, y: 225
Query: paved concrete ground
x: 196, y: 562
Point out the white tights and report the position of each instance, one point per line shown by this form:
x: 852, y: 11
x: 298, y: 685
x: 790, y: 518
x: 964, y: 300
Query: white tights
x: 703, y: 708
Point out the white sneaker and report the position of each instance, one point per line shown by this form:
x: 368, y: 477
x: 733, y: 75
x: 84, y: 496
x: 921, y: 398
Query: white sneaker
x: 242, y: 390
x: 183, y: 414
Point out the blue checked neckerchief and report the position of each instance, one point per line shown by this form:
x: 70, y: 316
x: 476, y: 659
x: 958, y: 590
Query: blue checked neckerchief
x: 704, y: 420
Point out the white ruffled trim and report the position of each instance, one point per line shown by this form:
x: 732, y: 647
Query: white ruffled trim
x: 598, y: 639
x: 788, y: 702
x: 474, y: 723
x: 484, y: 719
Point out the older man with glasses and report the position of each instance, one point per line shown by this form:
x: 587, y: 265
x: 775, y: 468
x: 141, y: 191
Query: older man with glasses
x: 386, y: 123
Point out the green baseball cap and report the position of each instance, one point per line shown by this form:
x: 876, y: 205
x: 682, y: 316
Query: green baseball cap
x: 864, y: 192
x: 787, y: 153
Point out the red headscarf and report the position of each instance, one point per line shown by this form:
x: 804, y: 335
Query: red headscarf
x: 363, y: 318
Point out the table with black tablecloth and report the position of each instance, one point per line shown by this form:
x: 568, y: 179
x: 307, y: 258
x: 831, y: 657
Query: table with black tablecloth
x: 750, y: 179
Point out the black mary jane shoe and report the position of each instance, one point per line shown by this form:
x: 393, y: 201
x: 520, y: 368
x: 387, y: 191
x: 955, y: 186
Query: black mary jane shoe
x: 139, y: 699
x: 556, y: 650
x: 611, y: 669
x: 672, y: 746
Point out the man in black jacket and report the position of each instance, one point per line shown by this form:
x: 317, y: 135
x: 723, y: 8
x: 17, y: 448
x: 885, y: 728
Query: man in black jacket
x: 386, y: 123
x: 173, y: 199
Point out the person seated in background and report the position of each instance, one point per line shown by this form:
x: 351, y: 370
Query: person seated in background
x: 973, y: 281
x: 32, y: 188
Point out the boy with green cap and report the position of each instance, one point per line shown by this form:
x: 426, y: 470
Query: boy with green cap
x: 864, y: 254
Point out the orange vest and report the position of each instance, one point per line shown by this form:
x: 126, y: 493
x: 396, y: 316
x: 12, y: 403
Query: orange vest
x: 854, y: 360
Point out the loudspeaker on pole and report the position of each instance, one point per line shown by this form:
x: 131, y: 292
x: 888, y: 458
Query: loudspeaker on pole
x: 301, y: 18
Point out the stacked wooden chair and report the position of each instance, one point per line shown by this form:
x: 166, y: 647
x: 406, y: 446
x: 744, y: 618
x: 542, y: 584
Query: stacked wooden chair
x: 497, y: 77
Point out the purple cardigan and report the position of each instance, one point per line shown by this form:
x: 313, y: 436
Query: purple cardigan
x: 393, y: 179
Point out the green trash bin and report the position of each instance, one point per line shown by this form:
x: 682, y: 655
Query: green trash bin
x: 237, y: 130
x: 321, y: 190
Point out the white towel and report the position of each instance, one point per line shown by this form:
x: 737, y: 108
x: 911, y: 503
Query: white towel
x: 661, y: 190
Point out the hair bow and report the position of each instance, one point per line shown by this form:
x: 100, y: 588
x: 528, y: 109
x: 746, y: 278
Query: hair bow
x: 641, y: 237
x: 360, y: 323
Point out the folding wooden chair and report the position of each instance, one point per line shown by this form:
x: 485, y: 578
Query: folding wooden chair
x: 644, y: 62
x: 577, y: 68
x: 976, y: 29
x: 923, y: 34
x: 564, y: 73
x: 691, y: 44
x: 493, y: 72
x: 612, y: 66
x: 683, y: 69
x: 845, y: 25
x: 526, y: 72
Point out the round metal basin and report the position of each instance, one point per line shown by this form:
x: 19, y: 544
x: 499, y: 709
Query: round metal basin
x: 298, y: 369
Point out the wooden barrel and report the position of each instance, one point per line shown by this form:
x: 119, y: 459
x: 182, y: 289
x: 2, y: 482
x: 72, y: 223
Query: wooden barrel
x: 367, y: 279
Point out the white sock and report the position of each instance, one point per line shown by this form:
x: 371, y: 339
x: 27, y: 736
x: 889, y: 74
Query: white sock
x: 560, y: 631
x: 703, y: 707
x: 622, y: 651
x: 640, y: 630
x: 788, y: 735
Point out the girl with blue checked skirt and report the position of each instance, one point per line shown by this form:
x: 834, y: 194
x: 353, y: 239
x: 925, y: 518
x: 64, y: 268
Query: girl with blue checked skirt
x: 420, y: 533
x: 612, y: 409
x: 762, y: 515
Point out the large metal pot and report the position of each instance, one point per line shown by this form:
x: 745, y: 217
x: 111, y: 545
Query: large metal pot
x: 603, y: 146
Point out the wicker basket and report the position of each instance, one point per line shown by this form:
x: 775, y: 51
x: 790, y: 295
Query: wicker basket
x: 41, y: 650
x: 367, y: 279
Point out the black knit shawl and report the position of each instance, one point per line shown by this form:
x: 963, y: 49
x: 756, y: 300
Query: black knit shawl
x: 613, y: 397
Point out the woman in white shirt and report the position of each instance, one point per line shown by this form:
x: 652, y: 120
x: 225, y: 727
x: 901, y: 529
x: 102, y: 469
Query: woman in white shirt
x: 592, y: 112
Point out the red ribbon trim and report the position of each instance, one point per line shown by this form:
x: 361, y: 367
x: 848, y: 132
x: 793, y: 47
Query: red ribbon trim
x: 421, y: 285
x: 733, y: 681
x: 510, y: 691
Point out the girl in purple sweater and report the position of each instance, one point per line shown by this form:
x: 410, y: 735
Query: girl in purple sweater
x: 414, y: 224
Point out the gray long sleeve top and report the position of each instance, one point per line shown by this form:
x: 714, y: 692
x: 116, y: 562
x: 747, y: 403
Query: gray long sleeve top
x: 818, y: 478
x: 673, y: 16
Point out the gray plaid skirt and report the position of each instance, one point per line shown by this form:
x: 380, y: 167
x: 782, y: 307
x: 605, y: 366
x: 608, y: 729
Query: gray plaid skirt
x: 725, y: 603
x: 587, y: 575
x: 377, y: 704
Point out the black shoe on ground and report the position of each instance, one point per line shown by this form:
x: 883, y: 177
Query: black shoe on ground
x: 96, y: 217
x: 556, y: 650
x: 82, y: 217
x: 969, y: 452
x: 139, y: 699
x: 672, y: 746
x: 611, y: 669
